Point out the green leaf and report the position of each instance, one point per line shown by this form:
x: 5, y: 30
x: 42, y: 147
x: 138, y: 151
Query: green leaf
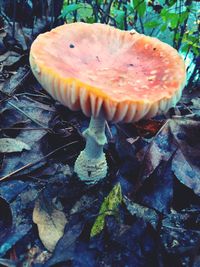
x: 108, y: 207
x: 183, y: 16
x: 69, y: 8
x: 84, y: 11
x: 171, y: 2
x: 195, y: 50
x: 129, y: 8
x: 163, y: 27
x: 140, y: 6
x: 177, y: 36
x: 174, y: 20
x: 164, y: 14
x: 151, y: 24
x: 185, y: 48
x: 99, y: 2
x: 119, y: 17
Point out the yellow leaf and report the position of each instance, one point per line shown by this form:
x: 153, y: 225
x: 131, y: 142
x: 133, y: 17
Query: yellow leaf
x: 50, y: 224
x: 108, y: 207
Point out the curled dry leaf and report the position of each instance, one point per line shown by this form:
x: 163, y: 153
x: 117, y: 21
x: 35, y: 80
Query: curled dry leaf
x: 50, y: 222
x: 9, y: 145
x: 179, y: 141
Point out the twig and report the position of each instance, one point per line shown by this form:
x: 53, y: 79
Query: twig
x: 35, y: 162
x: 191, y: 112
x: 122, y: 130
x: 14, y: 18
x: 25, y: 129
x: 34, y: 95
x: 109, y: 131
x: 32, y: 119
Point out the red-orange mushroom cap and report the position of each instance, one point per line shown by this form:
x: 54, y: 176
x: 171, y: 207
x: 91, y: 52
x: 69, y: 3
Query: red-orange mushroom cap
x: 98, y: 68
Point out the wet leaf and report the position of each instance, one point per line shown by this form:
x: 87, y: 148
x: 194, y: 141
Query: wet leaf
x: 141, y: 212
x: 160, y: 149
x: 148, y: 128
x: 84, y: 203
x: 129, y: 244
x: 108, y: 207
x: 9, y: 145
x: 180, y: 235
x: 8, y: 263
x: 157, y: 191
x: 20, y: 196
x: 178, y: 141
x: 50, y: 221
x: 186, y: 161
x: 196, y: 103
x: 16, y: 80
x: 65, y: 249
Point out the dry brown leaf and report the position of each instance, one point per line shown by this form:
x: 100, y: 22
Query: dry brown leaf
x: 50, y: 225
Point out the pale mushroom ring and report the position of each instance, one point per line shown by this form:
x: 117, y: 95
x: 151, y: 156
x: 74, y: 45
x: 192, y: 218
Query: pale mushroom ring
x: 100, y: 69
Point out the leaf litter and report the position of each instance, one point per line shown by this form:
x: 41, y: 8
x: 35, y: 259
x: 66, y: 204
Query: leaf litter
x: 145, y: 214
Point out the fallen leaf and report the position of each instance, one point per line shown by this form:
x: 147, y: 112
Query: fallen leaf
x: 9, y: 145
x: 20, y: 196
x: 146, y: 214
x: 50, y: 222
x: 180, y: 235
x: 84, y: 203
x: 108, y: 207
x: 186, y: 162
x: 135, y: 243
x: 8, y: 263
x: 196, y: 103
x: 157, y: 191
x: 148, y: 128
x: 160, y: 149
x: 178, y: 141
x: 16, y: 80
x: 65, y: 248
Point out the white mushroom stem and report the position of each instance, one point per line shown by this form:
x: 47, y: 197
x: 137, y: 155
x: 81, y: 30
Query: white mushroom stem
x: 91, y: 165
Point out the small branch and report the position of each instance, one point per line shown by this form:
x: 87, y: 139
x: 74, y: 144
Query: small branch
x: 108, y: 129
x: 14, y: 18
x: 24, y: 129
x: 32, y: 119
x: 35, y: 162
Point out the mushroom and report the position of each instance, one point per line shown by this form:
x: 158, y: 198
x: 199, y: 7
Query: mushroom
x: 109, y: 74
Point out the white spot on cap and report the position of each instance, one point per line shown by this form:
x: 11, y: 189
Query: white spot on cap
x: 153, y: 71
x: 164, y: 78
x: 151, y: 78
x: 167, y: 71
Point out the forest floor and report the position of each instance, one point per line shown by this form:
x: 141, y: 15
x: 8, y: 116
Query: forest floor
x: 145, y: 213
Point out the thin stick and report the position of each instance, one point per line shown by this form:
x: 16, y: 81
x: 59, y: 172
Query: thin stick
x: 35, y: 162
x: 14, y: 18
x: 25, y: 129
x: 35, y: 121
x: 109, y: 131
